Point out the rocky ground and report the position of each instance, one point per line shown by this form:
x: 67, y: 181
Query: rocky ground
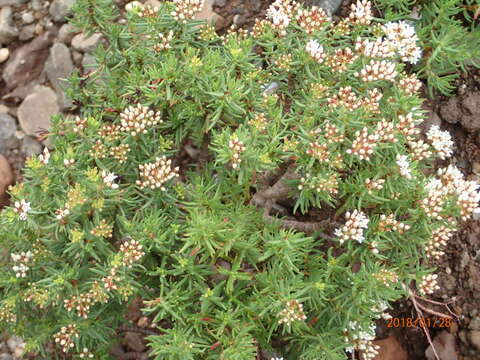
x: 38, y: 49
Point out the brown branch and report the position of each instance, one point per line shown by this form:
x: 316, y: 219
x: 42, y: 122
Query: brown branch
x: 306, y: 227
x: 276, y: 191
x: 439, y: 303
x: 422, y: 323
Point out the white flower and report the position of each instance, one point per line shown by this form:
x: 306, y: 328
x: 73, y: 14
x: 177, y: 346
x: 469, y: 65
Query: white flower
x: 441, y: 141
x: 109, y: 178
x: 22, y: 207
x: 403, y: 40
x: 315, y: 50
x: 403, y: 164
x: 45, y: 157
x: 353, y: 228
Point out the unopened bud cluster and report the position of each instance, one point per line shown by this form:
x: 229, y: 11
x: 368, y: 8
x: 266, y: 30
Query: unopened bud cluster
x: 293, y: 311
x: 132, y: 252
x: 187, y: 9
x: 66, y: 337
x: 438, y: 241
x: 312, y: 19
x: 138, y: 119
x: 155, y: 175
x: 389, y: 223
x: 428, y: 284
x: 164, y: 43
x: 237, y: 148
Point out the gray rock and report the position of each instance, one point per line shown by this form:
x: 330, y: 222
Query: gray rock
x: 36, y: 110
x: 27, y: 18
x: 58, y: 67
x: 21, y: 92
x: 220, y: 3
x: 59, y: 9
x: 77, y: 58
x: 474, y: 324
x: 30, y: 146
x: 330, y: 6
x: 6, y: 357
x: 36, y: 5
x: 474, y: 338
x: 86, y: 44
x: 12, y: 2
x: 8, y: 30
x: 27, y: 32
x: 8, y: 125
x: 26, y: 62
x: 14, y: 342
x: 89, y: 62
x: 270, y: 88
x: 66, y: 33
x: 4, y: 54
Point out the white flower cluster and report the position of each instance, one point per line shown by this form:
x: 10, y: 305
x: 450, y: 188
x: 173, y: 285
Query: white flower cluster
x: 85, y: 354
x: 378, y: 70
x: 137, y: 119
x: 60, y: 214
x: 21, y: 263
x: 428, y: 284
x: 293, y: 311
x: 45, y: 157
x: 68, y: 162
x: 22, y: 208
x: 377, y: 48
x: 451, y: 182
x: 164, y: 43
x: 353, y: 228
x: 404, y: 165
x: 361, y: 340
x: 379, y: 308
x: 132, y: 252
x: 438, y: 240
x: 109, y: 179
x: 65, y: 337
x: 155, y: 175
x: 315, y: 50
x: 402, y: 38
x: 187, y: 9
x: 363, y: 144
x: 280, y: 14
x: 312, y: 19
x: 361, y: 12
x: 441, y: 141
x: 237, y: 147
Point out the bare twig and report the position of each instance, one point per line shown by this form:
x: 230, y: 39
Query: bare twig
x: 422, y: 323
x: 439, y: 303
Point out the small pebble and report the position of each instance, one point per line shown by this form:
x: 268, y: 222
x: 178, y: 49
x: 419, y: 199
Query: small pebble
x: 28, y: 18
x: 4, y: 54
x: 448, y: 270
